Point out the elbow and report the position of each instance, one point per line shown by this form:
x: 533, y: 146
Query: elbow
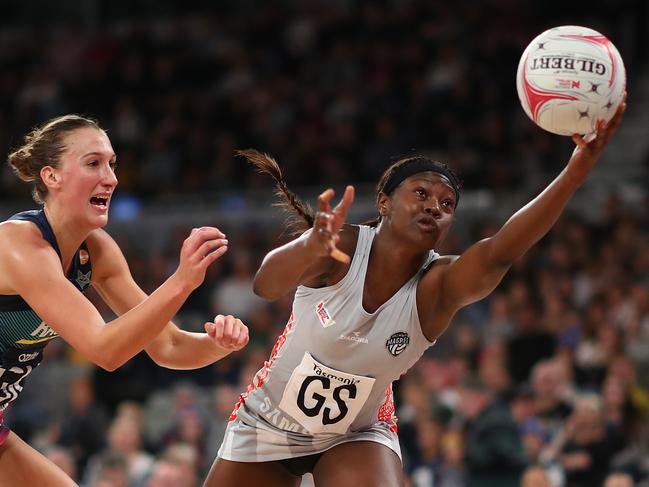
x: 109, y: 367
x: 108, y: 362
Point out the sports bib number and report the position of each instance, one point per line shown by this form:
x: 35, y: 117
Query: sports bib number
x: 322, y: 399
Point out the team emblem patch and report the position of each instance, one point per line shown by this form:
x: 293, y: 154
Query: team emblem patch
x: 83, y: 279
x: 83, y: 257
x: 323, y: 315
x: 397, y: 343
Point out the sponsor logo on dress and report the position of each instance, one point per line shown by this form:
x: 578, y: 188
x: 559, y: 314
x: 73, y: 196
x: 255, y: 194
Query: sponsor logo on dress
x: 42, y: 333
x: 397, y: 343
x: 323, y: 315
x: 24, y: 357
x: 354, y: 337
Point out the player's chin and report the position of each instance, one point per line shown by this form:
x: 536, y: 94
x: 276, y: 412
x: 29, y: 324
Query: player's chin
x: 99, y: 221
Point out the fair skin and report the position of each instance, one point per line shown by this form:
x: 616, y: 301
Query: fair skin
x: 415, y: 218
x: 33, y: 270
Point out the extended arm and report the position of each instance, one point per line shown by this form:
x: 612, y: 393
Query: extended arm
x: 33, y: 270
x: 481, y: 268
x: 172, y: 348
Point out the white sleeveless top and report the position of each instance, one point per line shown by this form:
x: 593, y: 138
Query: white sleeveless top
x: 330, y: 373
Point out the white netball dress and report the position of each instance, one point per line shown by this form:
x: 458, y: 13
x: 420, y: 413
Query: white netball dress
x: 329, y: 377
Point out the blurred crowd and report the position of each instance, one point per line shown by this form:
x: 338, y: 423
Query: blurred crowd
x: 333, y: 89
x: 545, y: 383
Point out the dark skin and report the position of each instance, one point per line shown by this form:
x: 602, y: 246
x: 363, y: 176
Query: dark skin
x: 415, y: 218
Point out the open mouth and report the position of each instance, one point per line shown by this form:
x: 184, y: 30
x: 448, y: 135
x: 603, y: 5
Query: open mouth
x: 99, y: 201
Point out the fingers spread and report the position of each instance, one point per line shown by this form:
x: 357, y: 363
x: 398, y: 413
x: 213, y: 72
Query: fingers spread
x: 324, y: 200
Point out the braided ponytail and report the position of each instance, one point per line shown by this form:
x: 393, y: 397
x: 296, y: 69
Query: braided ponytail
x: 301, y: 215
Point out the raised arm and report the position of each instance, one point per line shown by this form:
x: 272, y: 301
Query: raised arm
x: 482, y: 266
x: 307, y: 259
x: 33, y: 270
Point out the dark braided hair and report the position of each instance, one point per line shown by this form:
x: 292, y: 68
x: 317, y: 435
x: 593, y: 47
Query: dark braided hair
x: 301, y: 215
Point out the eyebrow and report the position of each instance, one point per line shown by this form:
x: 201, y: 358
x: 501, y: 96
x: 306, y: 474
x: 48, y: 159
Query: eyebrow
x: 442, y: 180
x: 113, y: 156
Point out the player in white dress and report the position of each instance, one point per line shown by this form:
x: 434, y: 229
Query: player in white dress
x: 322, y: 402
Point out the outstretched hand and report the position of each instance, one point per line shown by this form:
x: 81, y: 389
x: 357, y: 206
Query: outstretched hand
x: 587, y: 153
x: 328, y: 222
x: 227, y: 332
x: 203, y: 246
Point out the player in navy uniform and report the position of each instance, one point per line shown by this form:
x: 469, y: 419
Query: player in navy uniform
x: 50, y: 256
x: 323, y: 401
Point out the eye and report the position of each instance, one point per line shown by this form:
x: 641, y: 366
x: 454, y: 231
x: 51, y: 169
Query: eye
x: 93, y: 163
x: 421, y: 193
x: 448, y: 203
x: 113, y: 165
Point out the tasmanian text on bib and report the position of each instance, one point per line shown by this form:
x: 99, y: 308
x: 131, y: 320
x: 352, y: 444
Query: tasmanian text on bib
x: 322, y: 399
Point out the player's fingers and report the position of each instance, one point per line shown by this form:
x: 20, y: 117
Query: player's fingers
x: 228, y: 330
x: 209, y: 259
x: 579, y: 141
x: 244, y: 337
x: 219, y: 324
x: 210, y: 329
x: 324, y: 200
x: 200, y: 235
x: 340, y: 256
x: 347, y: 199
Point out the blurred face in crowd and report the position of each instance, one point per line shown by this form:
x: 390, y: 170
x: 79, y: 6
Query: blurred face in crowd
x: 124, y: 436
x: 619, y: 480
x: 420, y: 209
x: 472, y: 402
x: 587, y: 421
x: 166, y: 474
x: 85, y: 180
x: 535, y: 477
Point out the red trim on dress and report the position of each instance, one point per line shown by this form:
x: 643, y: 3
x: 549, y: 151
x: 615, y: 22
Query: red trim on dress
x: 261, y: 375
x: 386, y: 411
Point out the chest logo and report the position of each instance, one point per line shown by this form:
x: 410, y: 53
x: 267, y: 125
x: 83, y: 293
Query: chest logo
x: 323, y: 315
x: 83, y: 279
x: 397, y: 343
x: 83, y: 256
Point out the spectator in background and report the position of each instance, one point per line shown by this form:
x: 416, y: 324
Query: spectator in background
x: 111, y: 471
x: 494, y: 453
x: 85, y: 423
x: 618, y: 479
x: 535, y: 477
x: 588, y: 445
x: 166, y: 474
x: 125, y: 441
x: 549, y: 385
